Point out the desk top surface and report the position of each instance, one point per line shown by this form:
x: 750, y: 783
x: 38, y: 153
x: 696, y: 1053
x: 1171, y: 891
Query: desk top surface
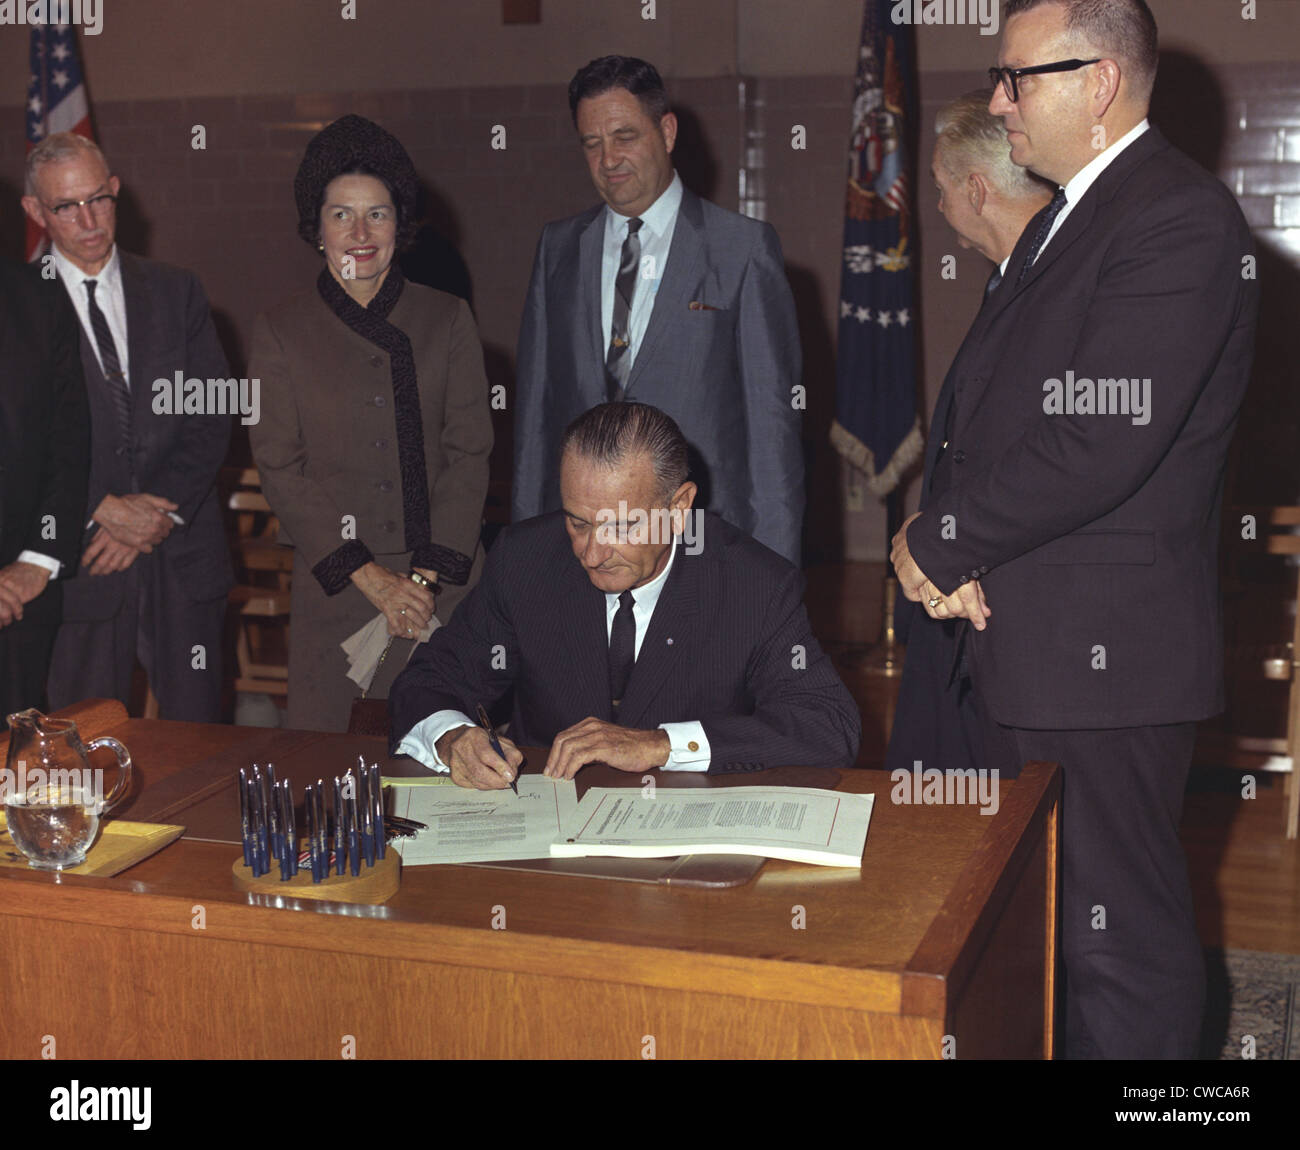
x: 928, y: 872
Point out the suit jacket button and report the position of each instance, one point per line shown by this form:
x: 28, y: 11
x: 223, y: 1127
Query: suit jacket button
x: 380, y: 401
x: 965, y: 579
x: 984, y: 570
x: 959, y: 456
x: 381, y: 443
x: 385, y: 485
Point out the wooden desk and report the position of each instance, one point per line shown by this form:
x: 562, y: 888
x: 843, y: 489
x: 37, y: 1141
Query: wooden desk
x: 948, y: 929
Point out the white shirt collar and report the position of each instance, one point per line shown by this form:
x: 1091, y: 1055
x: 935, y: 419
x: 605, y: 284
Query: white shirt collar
x: 657, y: 218
x: 110, y: 275
x: 1088, y: 175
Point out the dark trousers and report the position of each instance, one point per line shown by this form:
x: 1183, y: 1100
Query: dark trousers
x: 1134, y: 974
x: 24, y: 662
x: 96, y: 659
x: 937, y: 719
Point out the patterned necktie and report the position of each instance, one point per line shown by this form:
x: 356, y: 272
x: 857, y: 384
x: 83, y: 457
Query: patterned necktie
x: 112, y: 365
x: 1040, y: 237
x: 616, y: 359
x: 622, y: 648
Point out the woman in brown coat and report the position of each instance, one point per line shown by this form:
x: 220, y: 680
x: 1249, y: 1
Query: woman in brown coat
x: 375, y: 431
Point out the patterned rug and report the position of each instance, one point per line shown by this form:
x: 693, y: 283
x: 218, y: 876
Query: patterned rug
x: 1251, y: 995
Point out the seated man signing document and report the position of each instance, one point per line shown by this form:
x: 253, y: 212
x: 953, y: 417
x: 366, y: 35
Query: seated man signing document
x: 635, y: 631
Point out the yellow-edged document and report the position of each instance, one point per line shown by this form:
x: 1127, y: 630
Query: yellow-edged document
x: 797, y: 823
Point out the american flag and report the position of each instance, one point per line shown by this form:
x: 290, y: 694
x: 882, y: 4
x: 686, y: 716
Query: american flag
x: 56, y: 99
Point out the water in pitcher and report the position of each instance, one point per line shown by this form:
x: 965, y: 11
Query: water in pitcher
x: 54, y: 829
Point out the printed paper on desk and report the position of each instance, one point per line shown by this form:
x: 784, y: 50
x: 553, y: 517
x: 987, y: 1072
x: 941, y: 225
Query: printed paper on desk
x: 484, y: 826
x: 802, y: 824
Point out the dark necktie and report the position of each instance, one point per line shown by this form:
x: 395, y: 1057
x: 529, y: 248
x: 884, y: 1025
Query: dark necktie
x: 994, y: 280
x: 622, y: 649
x: 616, y: 359
x: 1040, y: 237
x: 112, y: 365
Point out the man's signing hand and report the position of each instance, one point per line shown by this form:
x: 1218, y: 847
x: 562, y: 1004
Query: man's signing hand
x: 473, y: 762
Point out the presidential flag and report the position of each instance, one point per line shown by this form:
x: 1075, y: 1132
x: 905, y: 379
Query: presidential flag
x: 876, y: 425
x: 56, y: 99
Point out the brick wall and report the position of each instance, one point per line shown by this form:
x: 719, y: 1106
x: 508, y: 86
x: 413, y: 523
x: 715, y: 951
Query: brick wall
x: 228, y: 213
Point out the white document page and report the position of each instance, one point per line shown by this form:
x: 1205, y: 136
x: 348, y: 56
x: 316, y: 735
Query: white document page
x: 799, y: 823
x: 484, y: 826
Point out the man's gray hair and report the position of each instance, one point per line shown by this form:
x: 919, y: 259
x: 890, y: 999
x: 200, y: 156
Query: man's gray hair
x: 976, y: 140
x: 614, y: 433
x: 54, y: 149
x: 1123, y: 30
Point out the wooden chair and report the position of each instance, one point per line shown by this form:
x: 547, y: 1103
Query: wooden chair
x: 1275, y: 527
x: 264, y: 569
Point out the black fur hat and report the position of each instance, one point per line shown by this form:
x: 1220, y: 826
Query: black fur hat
x: 355, y: 144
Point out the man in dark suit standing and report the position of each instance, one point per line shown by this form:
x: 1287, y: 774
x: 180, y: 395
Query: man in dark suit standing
x: 1094, y: 402
x: 44, y: 450
x: 634, y: 631
x: 987, y: 200
x: 665, y: 298
x: 156, y: 568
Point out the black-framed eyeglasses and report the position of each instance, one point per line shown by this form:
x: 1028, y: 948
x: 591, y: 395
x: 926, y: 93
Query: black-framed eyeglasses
x: 100, y: 205
x: 1009, y: 78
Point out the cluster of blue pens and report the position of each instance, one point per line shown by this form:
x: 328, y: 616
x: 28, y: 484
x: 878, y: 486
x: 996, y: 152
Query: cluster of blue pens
x: 266, y: 811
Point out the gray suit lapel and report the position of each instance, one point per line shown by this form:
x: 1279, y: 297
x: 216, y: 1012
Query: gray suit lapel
x: 591, y: 246
x: 677, y: 279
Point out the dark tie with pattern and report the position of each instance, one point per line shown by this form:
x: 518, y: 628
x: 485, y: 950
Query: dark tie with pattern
x: 622, y: 649
x: 112, y: 365
x: 616, y: 359
x: 1040, y: 236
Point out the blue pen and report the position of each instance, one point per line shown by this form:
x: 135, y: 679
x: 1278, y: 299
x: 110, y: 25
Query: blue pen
x: 243, y: 818
x: 354, y: 847
x: 340, y: 838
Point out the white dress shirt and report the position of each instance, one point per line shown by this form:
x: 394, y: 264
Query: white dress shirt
x: 656, y: 235
x: 109, y: 296
x: 688, y: 744
x: 1088, y: 175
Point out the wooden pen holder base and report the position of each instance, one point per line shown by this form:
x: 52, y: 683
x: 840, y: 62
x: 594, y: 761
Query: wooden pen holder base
x: 375, y: 884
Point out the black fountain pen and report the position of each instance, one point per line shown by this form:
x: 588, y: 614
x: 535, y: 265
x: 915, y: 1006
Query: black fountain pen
x: 486, y: 724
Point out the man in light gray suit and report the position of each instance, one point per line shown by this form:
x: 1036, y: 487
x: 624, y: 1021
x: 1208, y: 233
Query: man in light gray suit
x: 664, y: 298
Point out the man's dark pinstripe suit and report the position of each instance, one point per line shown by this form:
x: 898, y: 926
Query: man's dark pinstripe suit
x: 729, y: 645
